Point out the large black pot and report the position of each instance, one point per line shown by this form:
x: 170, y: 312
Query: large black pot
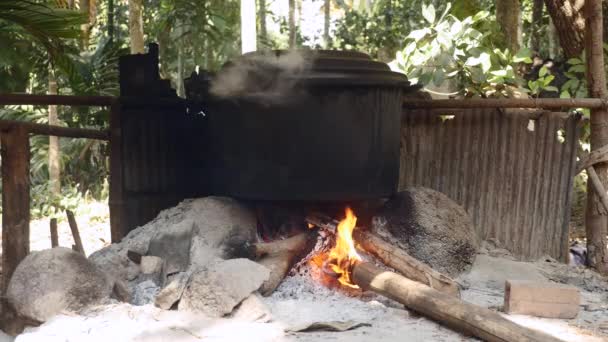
x: 326, y: 132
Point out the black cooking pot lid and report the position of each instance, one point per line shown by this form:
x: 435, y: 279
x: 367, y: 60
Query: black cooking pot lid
x: 319, y: 67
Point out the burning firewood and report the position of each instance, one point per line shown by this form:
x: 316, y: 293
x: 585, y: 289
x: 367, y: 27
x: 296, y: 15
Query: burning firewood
x: 392, y: 256
x: 443, y: 308
x: 278, y: 256
x: 352, y: 271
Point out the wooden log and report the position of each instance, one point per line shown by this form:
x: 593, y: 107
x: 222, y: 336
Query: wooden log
x: 15, y: 154
x: 506, y: 103
x: 279, y: 257
x: 75, y: 233
x: 443, y: 308
x: 292, y: 244
x: 54, y: 234
x: 68, y: 132
x: 589, y: 159
x: 392, y: 256
x: 596, y: 219
x: 404, y: 263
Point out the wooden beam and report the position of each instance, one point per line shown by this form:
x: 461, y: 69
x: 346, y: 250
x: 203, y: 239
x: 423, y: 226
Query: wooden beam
x: 15, y: 153
x: 448, y: 310
x: 65, y: 100
x: 68, y: 132
x: 589, y: 159
x: 596, y: 217
x: 506, y: 103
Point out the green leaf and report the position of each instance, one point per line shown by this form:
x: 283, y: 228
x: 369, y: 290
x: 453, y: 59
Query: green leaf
x: 577, y: 68
x: 419, y: 34
x: 439, y: 77
x: 574, y: 61
x: 480, y: 16
x: 547, y: 80
x: 428, y: 12
x: 523, y: 56
x: 551, y: 88
x: 543, y: 71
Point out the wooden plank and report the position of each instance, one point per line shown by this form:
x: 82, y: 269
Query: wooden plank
x: 506, y: 103
x: 15, y: 152
x: 589, y: 159
x: 68, y: 132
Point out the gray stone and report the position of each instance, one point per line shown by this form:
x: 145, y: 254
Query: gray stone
x: 173, y: 245
x: 54, y: 280
x: 152, y: 268
x: 172, y: 293
x: 431, y: 227
x: 216, y: 289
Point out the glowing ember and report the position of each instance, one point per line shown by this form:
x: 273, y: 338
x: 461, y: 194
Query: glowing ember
x: 343, y: 256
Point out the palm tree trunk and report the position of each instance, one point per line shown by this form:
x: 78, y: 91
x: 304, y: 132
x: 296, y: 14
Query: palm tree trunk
x: 292, y: 24
x: 111, y: 21
x: 262, y: 16
x: 508, y: 16
x: 569, y: 23
x: 54, y: 158
x: 136, y: 26
x: 537, y: 16
x: 326, y: 9
x: 596, y: 216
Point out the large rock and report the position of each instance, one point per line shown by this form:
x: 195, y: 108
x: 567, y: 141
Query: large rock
x: 216, y: 289
x: 54, y: 280
x: 188, y: 237
x: 431, y: 227
x: 173, y: 246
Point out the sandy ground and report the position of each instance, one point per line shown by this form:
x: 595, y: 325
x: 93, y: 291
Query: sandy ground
x: 300, y: 300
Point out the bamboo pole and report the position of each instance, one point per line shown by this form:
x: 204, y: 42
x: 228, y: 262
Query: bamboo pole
x: 443, y: 308
x: 46, y: 100
x: 506, y: 103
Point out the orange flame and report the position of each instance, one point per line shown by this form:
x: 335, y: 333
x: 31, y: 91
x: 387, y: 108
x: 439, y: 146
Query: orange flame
x: 344, y: 255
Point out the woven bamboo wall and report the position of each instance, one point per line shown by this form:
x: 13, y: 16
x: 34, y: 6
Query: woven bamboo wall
x: 516, y: 183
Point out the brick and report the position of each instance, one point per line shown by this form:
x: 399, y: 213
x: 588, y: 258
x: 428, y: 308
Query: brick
x: 541, y: 299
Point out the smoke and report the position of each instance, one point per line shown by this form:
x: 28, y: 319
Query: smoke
x: 265, y: 77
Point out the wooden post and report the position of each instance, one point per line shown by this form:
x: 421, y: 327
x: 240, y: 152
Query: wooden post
x: 15, y: 151
x: 596, y: 216
x: 54, y: 235
x: 75, y: 233
x: 117, y: 213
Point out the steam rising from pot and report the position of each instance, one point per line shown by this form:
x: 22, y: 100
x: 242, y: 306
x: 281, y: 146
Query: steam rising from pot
x: 269, y: 77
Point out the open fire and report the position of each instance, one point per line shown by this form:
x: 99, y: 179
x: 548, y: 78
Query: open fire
x: 339, y: 260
